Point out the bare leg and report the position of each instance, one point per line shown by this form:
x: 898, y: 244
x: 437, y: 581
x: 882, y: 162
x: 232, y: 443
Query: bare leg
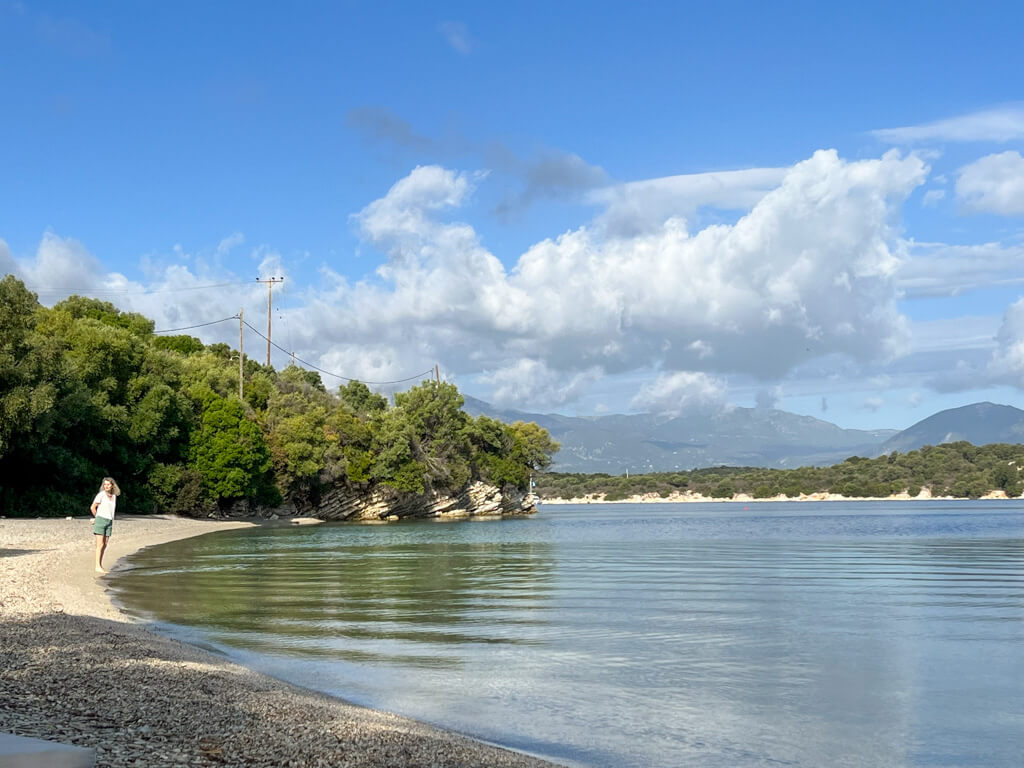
x: 101, y: 547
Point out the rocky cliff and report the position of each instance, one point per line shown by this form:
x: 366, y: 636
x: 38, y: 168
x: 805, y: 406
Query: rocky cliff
x: 476, y: 500
x: 384, y: 505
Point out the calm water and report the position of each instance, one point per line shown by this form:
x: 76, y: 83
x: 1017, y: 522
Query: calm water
x: 830, y: 634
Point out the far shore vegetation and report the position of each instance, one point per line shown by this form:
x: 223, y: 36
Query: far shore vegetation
x: 956, y: 469
x: 88, y: 391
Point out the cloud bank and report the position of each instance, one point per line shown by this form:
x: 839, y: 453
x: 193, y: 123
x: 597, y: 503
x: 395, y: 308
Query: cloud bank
x: 811, y: 268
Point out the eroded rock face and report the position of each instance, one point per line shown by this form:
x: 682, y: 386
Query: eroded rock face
x: 476, y: 500
x: 384, y: 505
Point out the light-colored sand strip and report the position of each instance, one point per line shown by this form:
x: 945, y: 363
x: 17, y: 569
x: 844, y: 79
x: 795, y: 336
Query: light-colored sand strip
x: 73, y: 669
x: 54, y: 570
x: 744, y: 498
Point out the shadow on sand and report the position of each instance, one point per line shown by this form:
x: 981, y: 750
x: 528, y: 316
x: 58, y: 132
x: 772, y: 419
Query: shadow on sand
x: 132, y: 695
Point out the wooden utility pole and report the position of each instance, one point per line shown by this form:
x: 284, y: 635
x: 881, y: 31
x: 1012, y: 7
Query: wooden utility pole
x: 270, y: 288
x: 241, y: 351
x: 437, y: 373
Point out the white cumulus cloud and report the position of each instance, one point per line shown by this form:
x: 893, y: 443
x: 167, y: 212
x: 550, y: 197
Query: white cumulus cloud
x: 531, y: 381
x: 673, y: 393
x: 993, y: 184
x: 174, y: 295
x: 64, y: 265
x: 809, y: 269
x: 640, y: 206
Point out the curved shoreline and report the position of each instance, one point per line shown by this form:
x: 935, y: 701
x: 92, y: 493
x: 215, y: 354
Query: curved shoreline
x: 76, y: 670
x: 744, y: 498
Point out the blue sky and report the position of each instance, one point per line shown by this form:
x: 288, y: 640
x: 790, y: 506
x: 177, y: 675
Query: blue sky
x: 573, y: 207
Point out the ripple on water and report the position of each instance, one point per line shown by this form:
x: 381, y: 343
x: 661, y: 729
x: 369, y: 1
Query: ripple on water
x: 661, y: 635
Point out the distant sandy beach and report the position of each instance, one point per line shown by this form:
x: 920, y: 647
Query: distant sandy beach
x: 685, y: 498
x: 73, y: 669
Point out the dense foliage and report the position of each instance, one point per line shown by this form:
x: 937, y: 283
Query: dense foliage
x: 88, y: 391
x: 953, y: 469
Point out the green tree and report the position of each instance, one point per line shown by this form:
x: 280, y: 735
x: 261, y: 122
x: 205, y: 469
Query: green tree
x: 533, y: 445
x: 104, y: 312
x: 505, y: 454
x: 87, y: 390
x: 27, y: 387
x: 298, y: 446
x: 1004, y: 477
x: 297, y: 375
x: 438, y: 424
x: 358, y: 397
x: 178, y: 490
x: 723, y: 490
x: 183, y: 345
x: 229, y: 452
x: 348, y: 456
x: 394, y: 454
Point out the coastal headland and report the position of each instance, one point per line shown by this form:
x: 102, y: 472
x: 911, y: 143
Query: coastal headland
x: 73, y: 669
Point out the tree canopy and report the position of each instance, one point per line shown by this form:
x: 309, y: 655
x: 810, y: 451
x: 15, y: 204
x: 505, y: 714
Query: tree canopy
x: 88, y: 391
x: 953, y: 469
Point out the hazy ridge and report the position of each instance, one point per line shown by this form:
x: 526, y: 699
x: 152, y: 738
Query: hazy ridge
x: 753, y: 437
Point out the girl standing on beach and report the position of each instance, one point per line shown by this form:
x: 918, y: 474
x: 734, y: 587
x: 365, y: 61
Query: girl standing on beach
x: 103, y: 510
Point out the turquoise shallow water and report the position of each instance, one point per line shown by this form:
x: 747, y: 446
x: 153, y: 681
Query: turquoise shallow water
x: 830, y: 634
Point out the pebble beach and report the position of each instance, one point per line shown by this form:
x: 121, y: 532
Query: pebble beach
x: 73, y: 669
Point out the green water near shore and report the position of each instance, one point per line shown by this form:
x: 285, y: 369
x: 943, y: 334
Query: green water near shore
x: 646, y: 635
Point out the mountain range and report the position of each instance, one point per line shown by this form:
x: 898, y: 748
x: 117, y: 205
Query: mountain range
x: 749, y: 437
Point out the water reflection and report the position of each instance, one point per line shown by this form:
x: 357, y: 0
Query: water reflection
x: 331, y: 593
x: 806, y: 635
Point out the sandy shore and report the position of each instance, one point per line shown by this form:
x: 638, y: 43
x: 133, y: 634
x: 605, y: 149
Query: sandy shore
x: 74, y: 669
x: 696, y: 498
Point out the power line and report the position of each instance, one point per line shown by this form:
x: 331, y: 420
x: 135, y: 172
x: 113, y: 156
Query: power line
x: 116, y: 292
x: 201, y: 325
x: 293, y: 355
x: 331, y: 373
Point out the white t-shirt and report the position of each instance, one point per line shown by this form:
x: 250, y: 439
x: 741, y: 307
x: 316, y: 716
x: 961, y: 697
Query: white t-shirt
x: 106, y: 505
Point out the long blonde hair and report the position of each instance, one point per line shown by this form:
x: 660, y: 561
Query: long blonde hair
x: 113, y: 485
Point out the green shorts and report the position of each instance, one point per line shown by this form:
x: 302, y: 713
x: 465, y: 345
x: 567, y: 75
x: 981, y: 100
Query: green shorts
x: 103, y: 526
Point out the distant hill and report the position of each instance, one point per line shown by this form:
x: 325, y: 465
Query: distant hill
x: 752, y: 437
x: 980, y: 424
